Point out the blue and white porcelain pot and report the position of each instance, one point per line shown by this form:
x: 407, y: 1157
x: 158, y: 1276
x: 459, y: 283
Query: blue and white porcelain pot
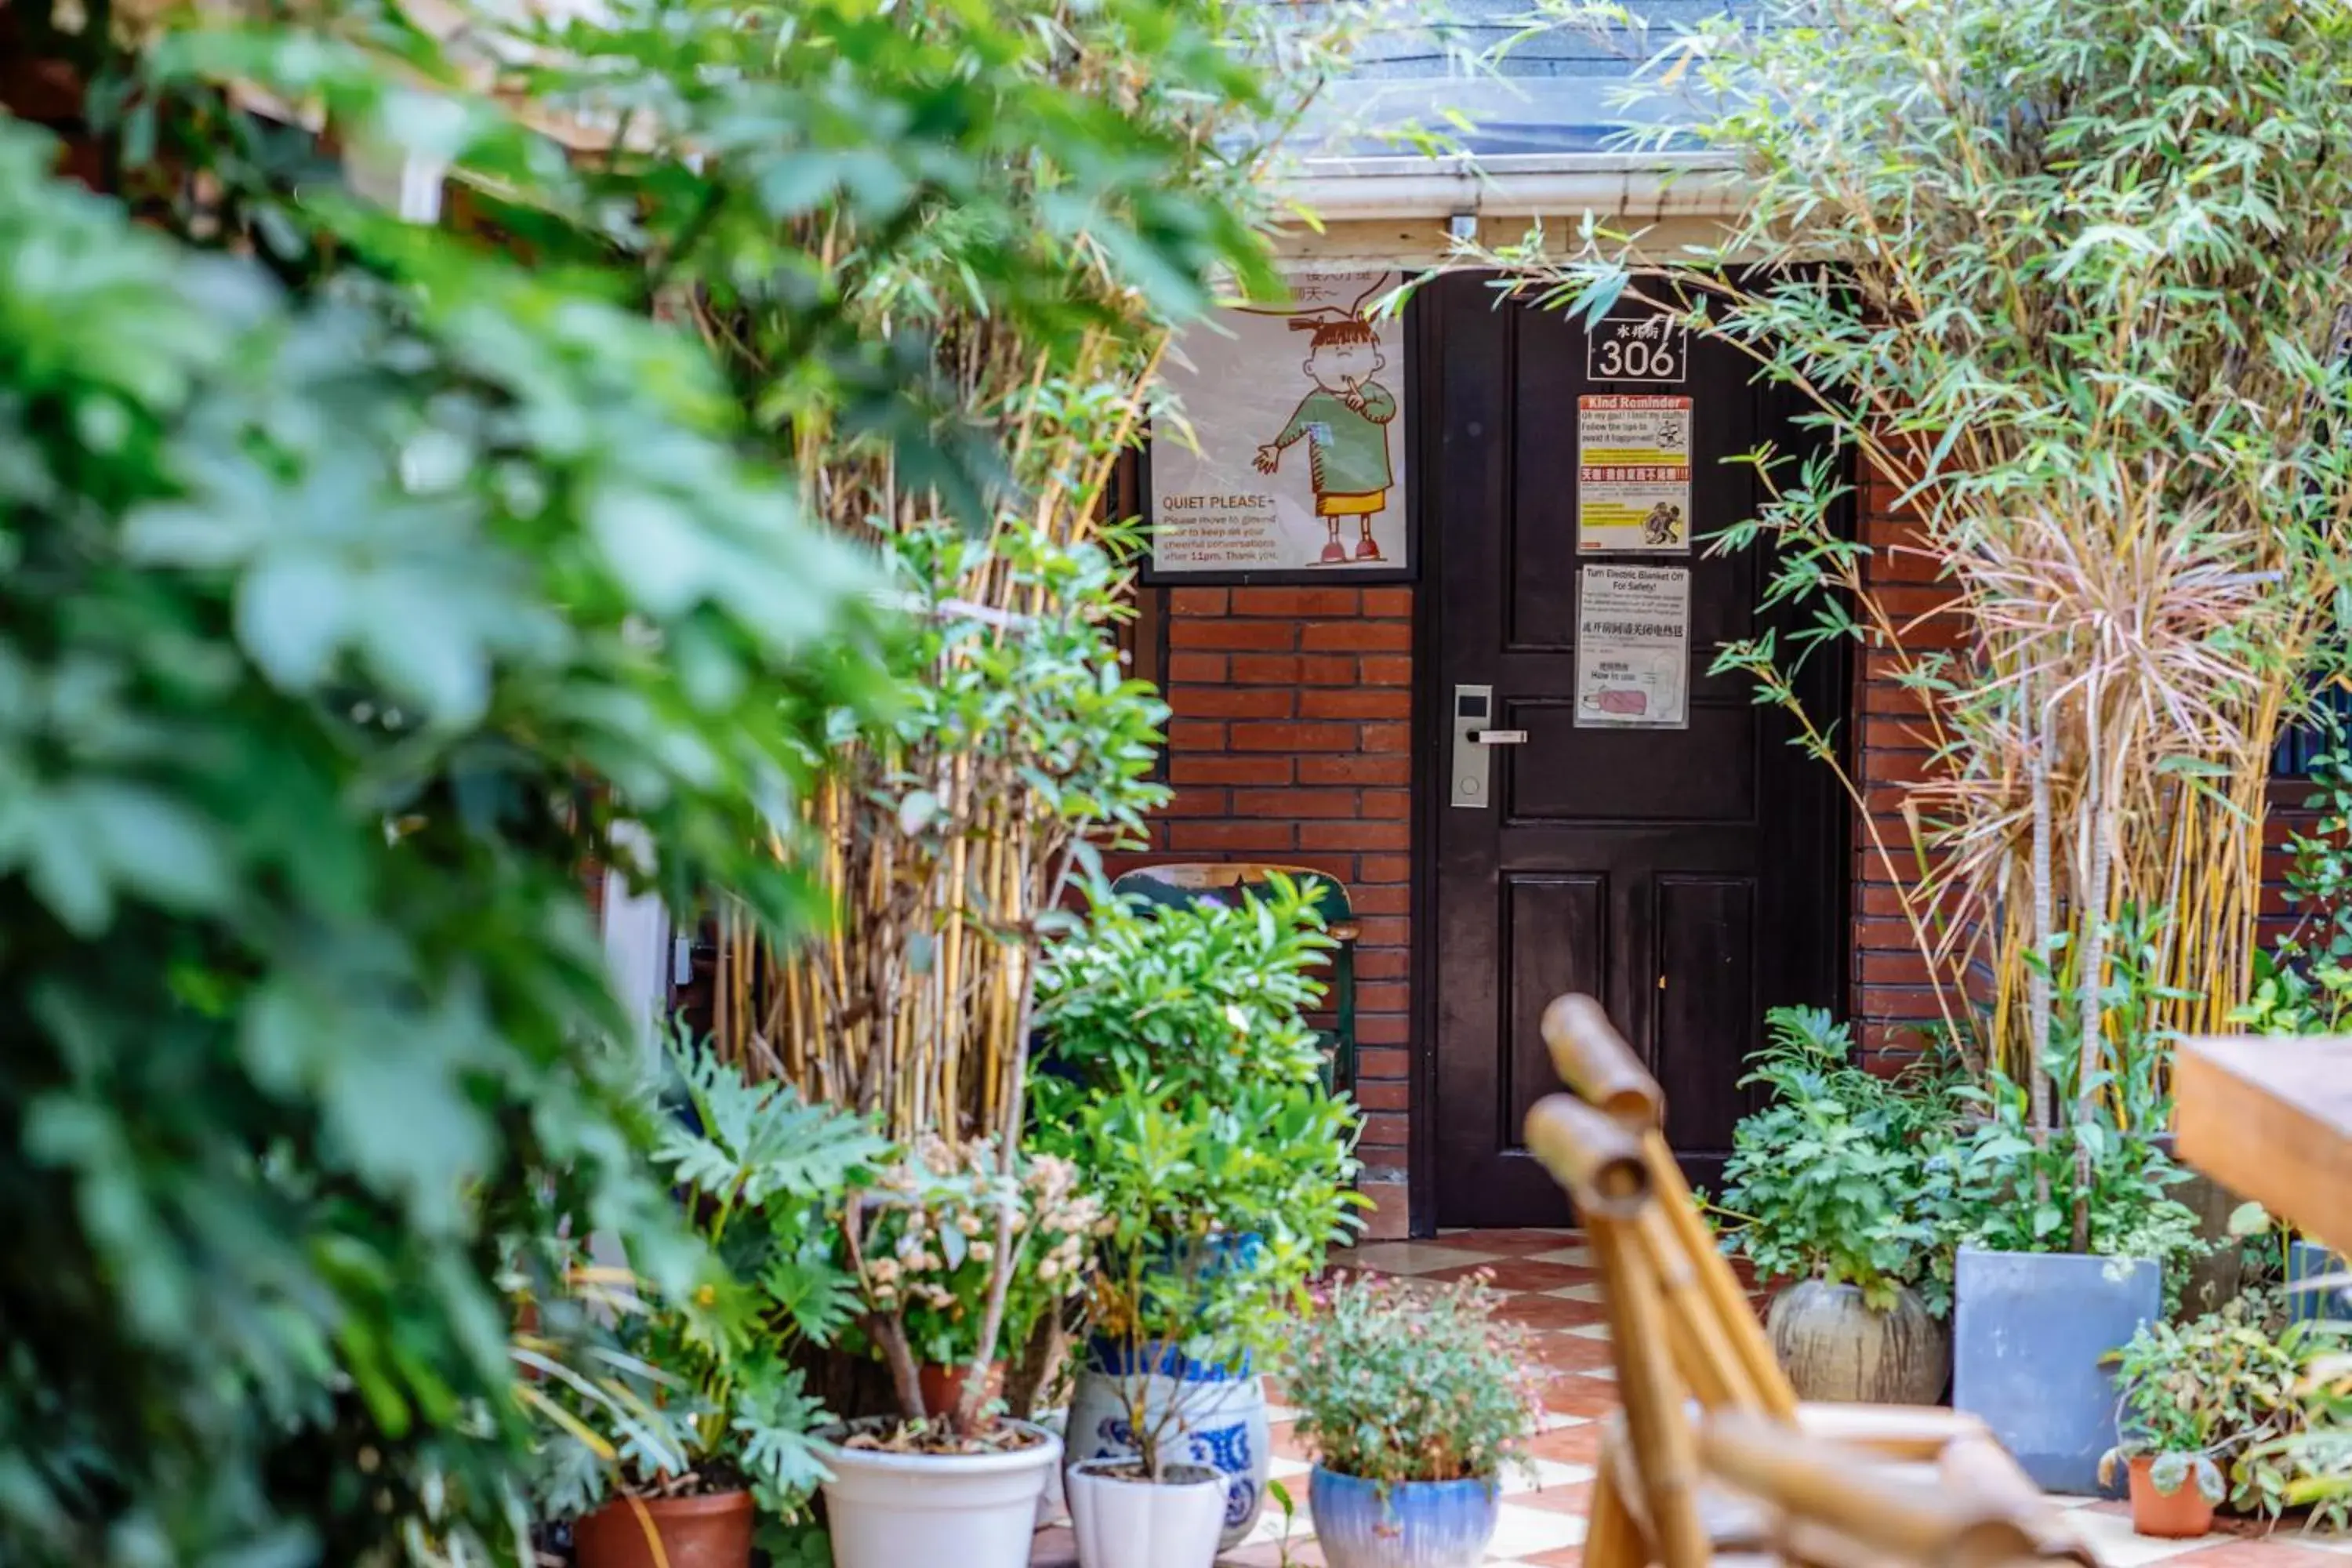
x: 1222, y: 1412
x: 1401, y: 1525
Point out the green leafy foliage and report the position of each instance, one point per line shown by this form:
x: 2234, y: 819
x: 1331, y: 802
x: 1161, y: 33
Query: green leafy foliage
x: 1212, y: 997
x: 2063, y: 283
x: 358, y: 580
x: 2311, y: 1464
x: 312, y: 634
x: 694, y: 1386
x: 1181, y: 1079
x: 2221, y: 1400
x: 1395, y: 1383
x: 1844, y: 1175
x: 2100, y: 1182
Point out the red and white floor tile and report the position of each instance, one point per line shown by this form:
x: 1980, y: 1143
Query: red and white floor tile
x: 1554, y: 1290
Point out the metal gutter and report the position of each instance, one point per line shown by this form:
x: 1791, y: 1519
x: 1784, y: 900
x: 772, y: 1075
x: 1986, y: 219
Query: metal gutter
x: 1518, y: 185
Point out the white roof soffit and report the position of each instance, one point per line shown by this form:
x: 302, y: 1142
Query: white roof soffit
x: 1518, y: 185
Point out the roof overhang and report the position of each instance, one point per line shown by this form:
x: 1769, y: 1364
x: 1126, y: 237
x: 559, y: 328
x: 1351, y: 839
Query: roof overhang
x: 1619, y: 186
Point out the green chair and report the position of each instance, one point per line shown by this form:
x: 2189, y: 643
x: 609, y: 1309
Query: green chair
x: 1229, y: 883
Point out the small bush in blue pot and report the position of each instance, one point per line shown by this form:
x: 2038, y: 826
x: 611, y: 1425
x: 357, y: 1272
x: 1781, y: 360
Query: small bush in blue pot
x: 1413, y: 1401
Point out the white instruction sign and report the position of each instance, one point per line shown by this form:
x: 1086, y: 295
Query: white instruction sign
x: 1632, y: 647
x: 1633, y: 475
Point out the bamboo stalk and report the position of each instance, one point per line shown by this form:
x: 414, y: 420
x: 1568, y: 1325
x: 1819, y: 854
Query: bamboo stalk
x: 1664, y: 1453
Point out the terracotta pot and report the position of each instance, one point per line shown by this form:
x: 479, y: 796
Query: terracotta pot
x: 2182, y: 1516
x: 1836, y: 1346
x: 942, y: 1385
x: 712, y: 1532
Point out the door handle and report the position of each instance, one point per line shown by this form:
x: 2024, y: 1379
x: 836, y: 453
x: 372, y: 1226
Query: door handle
x: 1499, y: 737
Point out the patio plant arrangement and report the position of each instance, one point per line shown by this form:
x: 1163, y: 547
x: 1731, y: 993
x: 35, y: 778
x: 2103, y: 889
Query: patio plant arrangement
x: 1179, y: 1077
x: 1414, y: 1401
x: 1840, y: 1188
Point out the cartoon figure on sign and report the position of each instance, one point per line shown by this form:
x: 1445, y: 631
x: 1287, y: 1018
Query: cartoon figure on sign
x: 1345, y: 423
x: 1664, y: 525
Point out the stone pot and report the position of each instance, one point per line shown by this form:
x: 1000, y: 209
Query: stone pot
x: 2029, y: 1332
x: 1836, y: 1347
x: 709, y: 1531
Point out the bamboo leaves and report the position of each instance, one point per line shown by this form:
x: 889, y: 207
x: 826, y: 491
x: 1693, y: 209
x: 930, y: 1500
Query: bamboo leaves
x: 2066, y: 283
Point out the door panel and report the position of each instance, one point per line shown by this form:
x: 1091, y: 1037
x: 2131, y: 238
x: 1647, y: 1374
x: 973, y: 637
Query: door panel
x: 1558, y: 932
x: 1689, y: 877
x: 1707, y: 959
x: 1564, y: 772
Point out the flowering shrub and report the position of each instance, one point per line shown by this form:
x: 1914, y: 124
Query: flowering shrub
x: 926, y: 1235
x: 1401, y: 1383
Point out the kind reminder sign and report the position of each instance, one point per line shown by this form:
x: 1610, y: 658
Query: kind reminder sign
x: 1287, y: 453
x: 1633, y: 475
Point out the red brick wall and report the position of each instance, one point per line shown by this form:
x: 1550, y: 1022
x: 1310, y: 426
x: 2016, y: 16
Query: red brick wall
x: 1890, y: 995
x: 1291, y: 742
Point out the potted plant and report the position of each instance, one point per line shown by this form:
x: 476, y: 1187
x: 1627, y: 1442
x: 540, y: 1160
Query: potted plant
x: 1413, y: 1401
x: 2071, y: 1236
x: 1181, y: 1077
x: 1834, y: 1189
x: 2191, y: 1400
x: 1168, y: 1403
x: 678, y: 1426
x: 2034, y: 1311
x: 954, y: 1252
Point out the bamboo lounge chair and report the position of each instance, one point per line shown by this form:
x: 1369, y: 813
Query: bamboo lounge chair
x: 1712, y: 1457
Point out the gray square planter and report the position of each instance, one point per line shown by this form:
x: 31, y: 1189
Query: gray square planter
x: 2028, y: 1330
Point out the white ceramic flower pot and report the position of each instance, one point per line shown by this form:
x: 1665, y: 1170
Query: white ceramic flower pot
x: 974, y: 1510
x: 1052, y: 1508
x: 1225, y: 1427
x: 1138, y: 1524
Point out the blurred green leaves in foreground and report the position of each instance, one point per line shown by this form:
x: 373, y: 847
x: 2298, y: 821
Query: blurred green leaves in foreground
x: 357, y: 578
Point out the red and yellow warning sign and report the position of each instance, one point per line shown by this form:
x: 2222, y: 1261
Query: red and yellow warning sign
x: 1633, y: 475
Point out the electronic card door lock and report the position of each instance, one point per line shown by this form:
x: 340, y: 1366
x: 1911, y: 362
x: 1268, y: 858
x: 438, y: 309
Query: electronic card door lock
x: 1469, y: 759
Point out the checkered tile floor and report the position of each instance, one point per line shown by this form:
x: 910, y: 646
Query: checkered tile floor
x: 1554, y: 1290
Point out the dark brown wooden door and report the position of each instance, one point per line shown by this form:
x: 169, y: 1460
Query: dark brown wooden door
x: 1689, y: 877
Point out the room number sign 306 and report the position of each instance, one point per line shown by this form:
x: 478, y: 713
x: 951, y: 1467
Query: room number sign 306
x: 1652, y: 349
